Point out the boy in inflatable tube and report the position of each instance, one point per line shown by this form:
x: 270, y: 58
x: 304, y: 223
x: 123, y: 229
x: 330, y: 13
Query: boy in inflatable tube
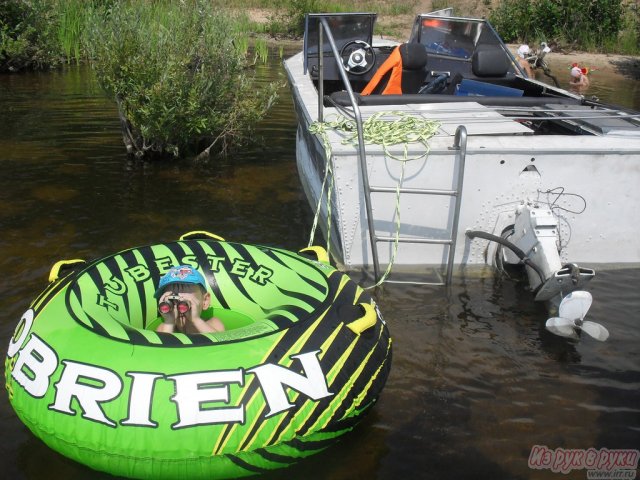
x: 182, y: 296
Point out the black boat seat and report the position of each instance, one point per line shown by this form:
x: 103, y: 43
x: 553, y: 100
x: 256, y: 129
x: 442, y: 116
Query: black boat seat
x: 489, y: 61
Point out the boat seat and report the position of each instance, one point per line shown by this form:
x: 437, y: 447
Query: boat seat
x: 403, y: 72
x: 489, y: 61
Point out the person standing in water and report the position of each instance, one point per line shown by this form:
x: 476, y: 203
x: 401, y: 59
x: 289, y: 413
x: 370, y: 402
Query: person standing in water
x: 579, y: 79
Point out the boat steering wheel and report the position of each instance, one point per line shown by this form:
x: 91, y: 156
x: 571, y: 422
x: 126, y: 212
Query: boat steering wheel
x: 358, y: 57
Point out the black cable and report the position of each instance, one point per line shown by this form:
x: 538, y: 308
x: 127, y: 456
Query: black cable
x: 503, y: 241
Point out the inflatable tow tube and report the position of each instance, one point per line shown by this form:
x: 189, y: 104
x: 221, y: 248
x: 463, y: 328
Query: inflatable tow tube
x: 305, y: 353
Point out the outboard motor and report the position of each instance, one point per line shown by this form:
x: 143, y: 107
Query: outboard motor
x: 536, y: 234
x: 535, y: 242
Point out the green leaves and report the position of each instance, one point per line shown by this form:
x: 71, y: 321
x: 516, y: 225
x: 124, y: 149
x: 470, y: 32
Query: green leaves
x: 590, y: 24
x: 181, y: 74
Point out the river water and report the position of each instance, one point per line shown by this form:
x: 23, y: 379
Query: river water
x: 604, y: 84
x: 476, y: 381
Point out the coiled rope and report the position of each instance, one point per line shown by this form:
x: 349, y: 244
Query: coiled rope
x: 404, y: 129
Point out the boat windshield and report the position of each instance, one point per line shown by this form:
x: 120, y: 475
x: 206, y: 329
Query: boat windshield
x: 345, y: 27
x: 454, y: 37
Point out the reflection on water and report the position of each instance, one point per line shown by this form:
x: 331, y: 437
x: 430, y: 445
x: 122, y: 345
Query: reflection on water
x: 476, y: 381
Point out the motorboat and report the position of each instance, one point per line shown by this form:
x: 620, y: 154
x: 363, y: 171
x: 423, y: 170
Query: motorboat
x: 439, y: 156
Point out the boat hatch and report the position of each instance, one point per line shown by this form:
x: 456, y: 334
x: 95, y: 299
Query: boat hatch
x: 598, y: 121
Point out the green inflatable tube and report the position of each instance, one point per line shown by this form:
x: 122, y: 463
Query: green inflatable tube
x: 304, y: 355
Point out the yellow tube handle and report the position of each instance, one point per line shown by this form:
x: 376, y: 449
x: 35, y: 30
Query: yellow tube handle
x: 366, y: 321
x: 54, y: 273
x: 199, y: 234
x: 319, y: 253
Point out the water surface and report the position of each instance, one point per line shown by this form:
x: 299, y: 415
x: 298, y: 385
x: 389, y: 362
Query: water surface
x: 475, y: 382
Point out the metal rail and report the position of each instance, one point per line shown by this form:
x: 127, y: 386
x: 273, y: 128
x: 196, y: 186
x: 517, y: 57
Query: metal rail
x: 324, y: 27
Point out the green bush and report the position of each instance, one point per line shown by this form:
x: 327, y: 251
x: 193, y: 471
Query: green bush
x: 27, y: 35
x: 180, y: 75
x: 502, y: 19
x: 591, y: 24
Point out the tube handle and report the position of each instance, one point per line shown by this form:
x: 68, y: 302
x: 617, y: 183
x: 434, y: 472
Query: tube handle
x: 63, y: 265
x: 200, y: 235
x: 366, y: 321
x: 315, y: 252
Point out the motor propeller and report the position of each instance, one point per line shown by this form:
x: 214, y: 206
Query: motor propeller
x: 573, y: 308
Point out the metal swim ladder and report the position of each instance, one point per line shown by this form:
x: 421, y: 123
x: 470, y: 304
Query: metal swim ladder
x: 460, y: 146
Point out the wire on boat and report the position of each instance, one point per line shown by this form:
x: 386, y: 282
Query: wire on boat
x: 518, y: 252
x: 377, y: 130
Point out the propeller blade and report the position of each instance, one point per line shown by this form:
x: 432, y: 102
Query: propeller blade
x: 562, y: 326
x: 596, y: 330
x: 575, y: 305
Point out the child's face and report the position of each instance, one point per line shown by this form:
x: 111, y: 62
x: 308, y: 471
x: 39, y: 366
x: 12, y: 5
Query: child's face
x: 191, y: 294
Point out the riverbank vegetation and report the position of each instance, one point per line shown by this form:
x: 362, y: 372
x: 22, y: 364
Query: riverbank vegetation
x: 611, y: 26
x: 181, y: 75
x: 45, y: 33
x: 608, y: 26
x: 180, y: 71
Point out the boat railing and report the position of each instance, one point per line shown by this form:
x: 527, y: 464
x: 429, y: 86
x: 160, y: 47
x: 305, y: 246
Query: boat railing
x: 362, y: 157
x: 583, y: 115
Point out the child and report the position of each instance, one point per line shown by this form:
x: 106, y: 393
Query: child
x: 523, y: 52
x: 579, y: 77
x: 182, y: 296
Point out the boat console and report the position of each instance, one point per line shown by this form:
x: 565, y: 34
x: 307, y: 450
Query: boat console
x: 453, y: 53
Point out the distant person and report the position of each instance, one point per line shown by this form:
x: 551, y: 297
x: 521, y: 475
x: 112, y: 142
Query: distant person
x: 579, y: 79
x: 182, y: 296
x: 523, y: 52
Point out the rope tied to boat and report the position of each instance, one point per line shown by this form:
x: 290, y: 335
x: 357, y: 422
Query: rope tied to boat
x: 402, y: 129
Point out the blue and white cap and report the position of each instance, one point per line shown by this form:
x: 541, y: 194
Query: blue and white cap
x: 181, y: 274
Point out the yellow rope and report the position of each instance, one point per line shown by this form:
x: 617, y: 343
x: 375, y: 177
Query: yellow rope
x: 377, y: 130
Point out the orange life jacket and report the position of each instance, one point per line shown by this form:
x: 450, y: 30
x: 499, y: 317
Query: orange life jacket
x: 394, y: 85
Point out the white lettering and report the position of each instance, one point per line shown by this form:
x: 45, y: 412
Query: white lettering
x: 140, y: 399
x: 272, y: 379
x: 22, y: 330
x: 201, y: 398
x: 91, y: 386
x: 40, y: 361
x: 193, y: 390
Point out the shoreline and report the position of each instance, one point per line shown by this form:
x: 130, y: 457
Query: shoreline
x: 626, y: 66
x: 623, y: 66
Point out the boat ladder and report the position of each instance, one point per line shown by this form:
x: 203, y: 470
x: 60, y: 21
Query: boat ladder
x: 459, y: 146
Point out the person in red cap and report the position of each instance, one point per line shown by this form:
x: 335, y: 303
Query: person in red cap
x: 579, y: 77
x: 182, y: 296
